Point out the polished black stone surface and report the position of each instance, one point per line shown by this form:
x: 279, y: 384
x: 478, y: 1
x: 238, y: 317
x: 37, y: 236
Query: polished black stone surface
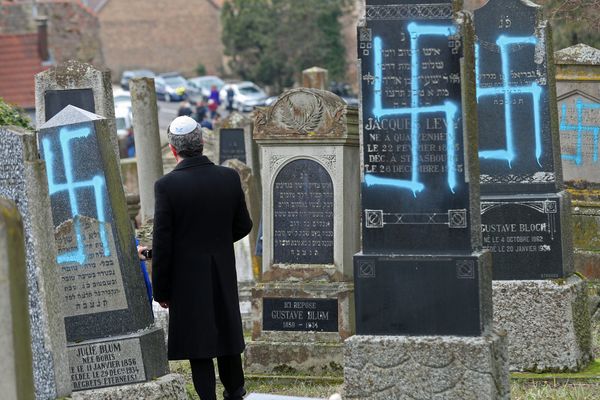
x: 422, y: 295
x: 416, y: 190
x: 56, y: 100
x: 232, y: 145
x: 303, y: 214
x: 525, y: 236
x: 294, y: 314
x: 515, y: 136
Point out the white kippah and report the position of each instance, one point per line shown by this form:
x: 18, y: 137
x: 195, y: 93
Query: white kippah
x: 182, y: 125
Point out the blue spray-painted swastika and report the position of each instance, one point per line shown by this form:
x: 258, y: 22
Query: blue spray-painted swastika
x: 507, y: 90
x: 581, y: 129
x: 448, y: 108
x: 66, y: 135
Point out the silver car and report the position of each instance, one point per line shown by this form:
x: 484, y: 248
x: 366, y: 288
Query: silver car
x: 246, y: 96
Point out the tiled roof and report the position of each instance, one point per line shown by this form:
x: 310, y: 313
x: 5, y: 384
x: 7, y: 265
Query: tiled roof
x: 19, y: 62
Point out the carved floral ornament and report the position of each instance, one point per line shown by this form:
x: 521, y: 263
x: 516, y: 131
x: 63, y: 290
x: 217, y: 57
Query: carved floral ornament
x: 302, y: 113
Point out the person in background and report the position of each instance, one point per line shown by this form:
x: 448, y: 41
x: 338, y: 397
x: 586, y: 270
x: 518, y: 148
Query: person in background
x: 213, y: 101
x: 200, y: 211
x: 185, y: 108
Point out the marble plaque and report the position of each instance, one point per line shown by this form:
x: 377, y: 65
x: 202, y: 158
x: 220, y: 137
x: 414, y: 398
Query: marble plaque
x: 293, y: 314
x: 232, y: 145
x: 303, y: 214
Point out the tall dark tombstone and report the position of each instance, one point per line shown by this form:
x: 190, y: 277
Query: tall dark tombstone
x: 111, y: 339
x: 422, y: 282
x: 302, y: 304
x: 525, y: 213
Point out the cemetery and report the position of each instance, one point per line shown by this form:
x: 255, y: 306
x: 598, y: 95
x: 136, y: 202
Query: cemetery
x: 438, y: 241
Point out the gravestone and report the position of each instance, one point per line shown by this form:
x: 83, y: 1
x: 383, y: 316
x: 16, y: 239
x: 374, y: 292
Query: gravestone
x: 78, y: 84
x: 422, y: 283
x: 23, y: 180
x: 16, y: 380
x: 246, y: 262
x: 233, y: 141
x: 108, y: 320
x: 525, y: 212
x: 578, y: 91
x: 302, y: 304
x: 315, y: 78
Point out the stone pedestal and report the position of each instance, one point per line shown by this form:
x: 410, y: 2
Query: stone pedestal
x: 426, y: 367
x: 547, y: 322
x: 310, y: 340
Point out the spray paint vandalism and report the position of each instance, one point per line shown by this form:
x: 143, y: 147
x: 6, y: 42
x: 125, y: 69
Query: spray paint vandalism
x: 449, y: 109
x: 581, y: 129
x: 507, y: 90
x: 71, y: 186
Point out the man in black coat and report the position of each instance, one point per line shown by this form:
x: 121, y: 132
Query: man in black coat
x: 200, y: 212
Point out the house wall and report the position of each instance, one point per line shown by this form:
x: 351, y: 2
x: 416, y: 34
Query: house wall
x: 162, y: 35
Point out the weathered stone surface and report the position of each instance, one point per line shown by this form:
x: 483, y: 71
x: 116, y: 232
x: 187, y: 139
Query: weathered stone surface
x: 587, y: 263
x: 547, y: 322
x: 71, y: 78
x: 426, y: 368
x: 168, y: 387
x: 579, y: 54
x: 23, y: 180
x: 16, y: 379
x: 315, y: 78
x: 147, y: 141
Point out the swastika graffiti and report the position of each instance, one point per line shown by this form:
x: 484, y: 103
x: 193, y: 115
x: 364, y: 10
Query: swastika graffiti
x: 580, y: 129
x: 71, y: 186
x: 448, y: 108
x: 507, y: 90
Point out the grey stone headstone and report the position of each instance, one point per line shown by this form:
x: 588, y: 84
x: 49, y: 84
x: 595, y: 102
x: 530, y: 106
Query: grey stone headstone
x: 23, y: 180
x: 578, y: 91
x: 16, y: 379
x: 78, y: 84
x: 104, y: 291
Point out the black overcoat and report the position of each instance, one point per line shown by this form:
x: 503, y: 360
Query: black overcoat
x: 200, y: 211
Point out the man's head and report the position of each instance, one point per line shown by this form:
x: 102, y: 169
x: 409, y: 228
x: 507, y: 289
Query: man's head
x: 185, y: 137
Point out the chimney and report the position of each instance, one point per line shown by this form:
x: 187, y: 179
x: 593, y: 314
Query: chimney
x: 42, y: 31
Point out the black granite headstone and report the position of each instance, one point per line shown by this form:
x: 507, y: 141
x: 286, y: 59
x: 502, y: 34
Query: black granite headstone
x: 416, y: 190
x: 518, y: 143
x: 417, y: 273
x: 515, y: 141
x: 56, y: 100
x: 232, y: 145
x: 296, y: 314
x: 103, y: 289
x: 303, y: 214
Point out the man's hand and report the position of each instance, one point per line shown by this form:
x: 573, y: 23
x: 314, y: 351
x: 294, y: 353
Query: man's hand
x: 164, y: 304
x: 140, y: 255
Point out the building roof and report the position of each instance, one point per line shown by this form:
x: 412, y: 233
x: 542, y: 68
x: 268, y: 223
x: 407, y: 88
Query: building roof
x: 19, y: 62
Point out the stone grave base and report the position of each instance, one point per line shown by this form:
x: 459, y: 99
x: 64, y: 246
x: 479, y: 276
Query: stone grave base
x: 426, y: 367
x: 168, y: 387
x: 118, y: 360
x: 312, y: 358
x: 547, y: 322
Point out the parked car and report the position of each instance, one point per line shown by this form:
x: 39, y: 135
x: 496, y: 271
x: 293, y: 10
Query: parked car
x: 172, y: 87
x: 136, y: 73
x: 203, y: 84
x: 121, y: 98
x: 246, y: 95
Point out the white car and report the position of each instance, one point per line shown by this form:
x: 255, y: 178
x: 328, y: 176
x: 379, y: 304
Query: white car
x: 246, y: 96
